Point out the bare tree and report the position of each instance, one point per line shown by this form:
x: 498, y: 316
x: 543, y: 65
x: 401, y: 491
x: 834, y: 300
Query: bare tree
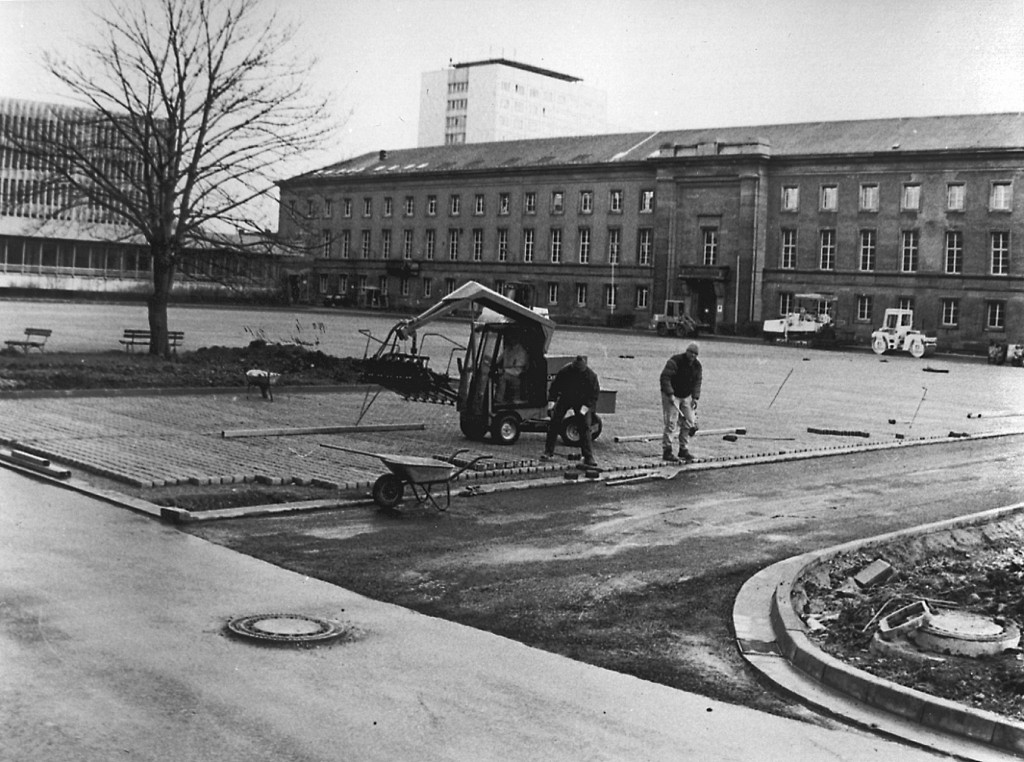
x: 188, y: 109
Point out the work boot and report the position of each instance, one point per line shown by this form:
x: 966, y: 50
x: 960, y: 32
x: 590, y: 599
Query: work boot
x: 685, y: 456
x: 669, y: 456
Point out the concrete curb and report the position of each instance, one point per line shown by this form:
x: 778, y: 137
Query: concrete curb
x: 845, y: 683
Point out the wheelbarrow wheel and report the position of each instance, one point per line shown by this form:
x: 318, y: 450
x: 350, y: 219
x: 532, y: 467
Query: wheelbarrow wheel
x: 388, y: 491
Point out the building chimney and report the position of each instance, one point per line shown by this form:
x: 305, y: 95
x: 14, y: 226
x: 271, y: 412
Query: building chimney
x: 383, y: 155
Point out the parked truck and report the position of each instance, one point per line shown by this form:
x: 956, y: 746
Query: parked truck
x: 898, y: 334
x: 674, y: 321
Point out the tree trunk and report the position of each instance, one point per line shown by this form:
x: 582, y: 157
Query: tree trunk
x: 163, y: 277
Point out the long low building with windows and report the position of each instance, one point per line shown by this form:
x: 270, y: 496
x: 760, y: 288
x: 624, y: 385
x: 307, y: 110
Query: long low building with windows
x: 920, y: 213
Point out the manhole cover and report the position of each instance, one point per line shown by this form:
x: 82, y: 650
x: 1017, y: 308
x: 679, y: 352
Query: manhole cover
x: 966, y: 634
x: 284, y: 628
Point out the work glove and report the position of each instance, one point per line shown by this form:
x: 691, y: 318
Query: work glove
x: 551, y: 407
x: 693, y: 404
x: 584, y: 409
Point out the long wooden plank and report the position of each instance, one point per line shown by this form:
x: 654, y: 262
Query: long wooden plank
x: 286, y: 432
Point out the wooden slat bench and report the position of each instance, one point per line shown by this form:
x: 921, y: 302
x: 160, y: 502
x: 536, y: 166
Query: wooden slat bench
x: 35, y: 338
x: 134, y: 337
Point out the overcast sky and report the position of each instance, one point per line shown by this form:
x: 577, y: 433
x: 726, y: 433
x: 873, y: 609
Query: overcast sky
x: 665, y: 64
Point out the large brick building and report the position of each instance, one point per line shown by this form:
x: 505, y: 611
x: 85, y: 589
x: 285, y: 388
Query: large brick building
x: 921, y: 212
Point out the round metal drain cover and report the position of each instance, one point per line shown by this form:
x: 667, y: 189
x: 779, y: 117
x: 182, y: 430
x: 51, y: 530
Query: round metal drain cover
x: 966, y: 634
x: 284, y: 628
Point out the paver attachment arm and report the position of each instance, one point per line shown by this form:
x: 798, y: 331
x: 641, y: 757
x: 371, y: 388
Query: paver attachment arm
x: 408, y: 374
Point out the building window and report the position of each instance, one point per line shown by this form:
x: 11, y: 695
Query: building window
x: 326, y: 242
x: 864, y: 309
x: 530, y: 202
x: 428, y: 287
x: 478, y: 245
x: 504, y: 203
x: 615, y: 202
x: 611, y: 296
x: 710, y: 246
x: 586, y: 202
x: 343, y: 283
x: 869, y: 197
x: 552, y: 293
x: 642, y: 295
x: 454, y: 205
x: 788, y: 250
x: 406, y: 244
x: 310, y: 208
x: 478, y: 204
x: 785, y: 302
x: 908, y: 250
x: 645, y: 242
x: 995, y: 316
x: 827, y: 250
x: 1000, y: 253
x: 956, y: 195
x: 328, y: 207
x: 346, y: 244
x: 614, y: 245
x: 367, y: 207
x: 364, y: 249
x: 867, y: 250
x: 584, y: 246
x: 829, y: 198
x: 450, y: 284
x: 954, y: 252
x: 346, y: 207
x: 905, y: 303
x: 528, y: 245
x: 556, y: 245
x: 581, y: 294
x: 1000, y: 201
x: 790, y: 198
x: 646, y: 201
x: 403, y: 286
x: 410, y: 206
x: 431, y: 206
x: 453, y: 244
x: 950, y: 313
x: 911, y: 201
x: 382, y: 285
x: 557, y: 202
x: 430, y: 244
x: 502, y: 244
x: 385, y: 244
x: 389, y: 206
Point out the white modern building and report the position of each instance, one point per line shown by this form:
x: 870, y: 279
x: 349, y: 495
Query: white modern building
x: 498, y: 99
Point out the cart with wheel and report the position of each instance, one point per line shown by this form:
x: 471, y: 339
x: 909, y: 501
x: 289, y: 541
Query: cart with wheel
x: 421, y: 474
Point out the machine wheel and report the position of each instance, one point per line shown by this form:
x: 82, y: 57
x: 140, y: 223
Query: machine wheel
x: 879, y: 345
x: 662, y: 329
x: 570, y: 435
x: 473, y: 428
x: 505, y: 429
x: 916, y: 348
x: 388, y: 491
x: 682, y: 331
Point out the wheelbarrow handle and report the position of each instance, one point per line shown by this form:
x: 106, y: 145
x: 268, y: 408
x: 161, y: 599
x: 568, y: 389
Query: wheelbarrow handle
x: 469, y: 465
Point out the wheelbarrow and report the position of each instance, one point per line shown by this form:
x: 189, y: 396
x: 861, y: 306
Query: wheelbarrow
x: 421, y: 474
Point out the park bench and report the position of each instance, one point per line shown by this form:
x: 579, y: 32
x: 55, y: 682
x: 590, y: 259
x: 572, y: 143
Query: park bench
x: 35, y: 338
x: 136, y: 336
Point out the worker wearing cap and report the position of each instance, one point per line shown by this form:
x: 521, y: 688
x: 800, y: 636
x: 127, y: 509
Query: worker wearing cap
x: 575, y: 387
x: 680, y: 389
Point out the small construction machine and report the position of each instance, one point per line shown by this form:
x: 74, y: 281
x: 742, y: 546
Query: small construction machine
x: 811, y: 317
x: 898, y: 334
x: 674, y: 321
x: 503, y: 375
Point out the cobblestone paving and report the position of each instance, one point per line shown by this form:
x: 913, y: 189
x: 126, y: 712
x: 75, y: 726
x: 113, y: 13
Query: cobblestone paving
x: 159, y: 440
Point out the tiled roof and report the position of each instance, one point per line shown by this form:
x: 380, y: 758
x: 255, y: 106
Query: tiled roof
x: 939, y: 133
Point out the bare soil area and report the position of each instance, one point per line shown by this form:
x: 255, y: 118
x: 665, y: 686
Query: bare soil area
x: 974, y: 570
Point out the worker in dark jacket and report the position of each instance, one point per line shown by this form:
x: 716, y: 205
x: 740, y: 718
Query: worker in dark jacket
x: 680, y: 390
x: 575, y: 387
